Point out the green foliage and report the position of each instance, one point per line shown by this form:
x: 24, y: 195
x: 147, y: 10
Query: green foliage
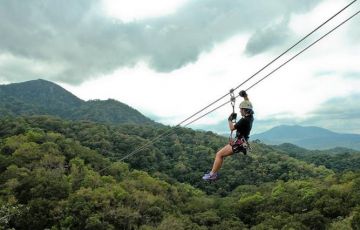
x: 172, y: 223
x: 343, y: 224
x: 183, y: 156
x: 46, y: 98
x: 338, y: 159
x: 312, y: 219
x: 355, y: 222
x: 57, y: 174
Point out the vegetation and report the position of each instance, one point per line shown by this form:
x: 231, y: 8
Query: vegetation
x: 183, y: 156
x: 337, y: 159
x: 40, y: 97
x: 58, y: 174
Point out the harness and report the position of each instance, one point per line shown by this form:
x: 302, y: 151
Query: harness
x: 238, y: 144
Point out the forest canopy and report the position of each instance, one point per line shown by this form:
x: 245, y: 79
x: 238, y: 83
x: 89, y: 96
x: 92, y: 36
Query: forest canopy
x: 58, y: 174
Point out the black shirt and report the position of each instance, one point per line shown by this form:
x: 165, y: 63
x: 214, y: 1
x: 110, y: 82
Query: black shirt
x: 243, y: 126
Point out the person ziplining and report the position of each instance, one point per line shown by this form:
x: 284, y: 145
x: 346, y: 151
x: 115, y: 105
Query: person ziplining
x: 240, y: 144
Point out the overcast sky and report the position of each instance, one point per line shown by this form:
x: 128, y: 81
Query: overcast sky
x: 168, y: 59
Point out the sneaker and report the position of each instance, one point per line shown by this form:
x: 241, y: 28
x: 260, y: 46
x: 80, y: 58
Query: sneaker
x: 209, y: 177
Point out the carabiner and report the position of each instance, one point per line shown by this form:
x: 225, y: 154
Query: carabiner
x: 232, y: 99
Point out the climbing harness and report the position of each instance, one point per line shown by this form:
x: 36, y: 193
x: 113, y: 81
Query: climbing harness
x: 240, y: 145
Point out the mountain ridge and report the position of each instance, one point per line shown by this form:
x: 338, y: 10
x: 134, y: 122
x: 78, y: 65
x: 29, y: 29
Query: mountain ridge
x: 310, y: 137
x: 41, y: 97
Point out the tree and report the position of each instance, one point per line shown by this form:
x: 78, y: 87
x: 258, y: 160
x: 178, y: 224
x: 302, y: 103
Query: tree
x: 355, y: 222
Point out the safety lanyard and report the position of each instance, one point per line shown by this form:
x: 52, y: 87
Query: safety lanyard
x: 232, y: 101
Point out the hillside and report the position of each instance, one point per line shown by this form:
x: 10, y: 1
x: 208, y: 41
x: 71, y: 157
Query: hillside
x: 308, y: 137
x: 183, y: 156
x: 53, y: 176
x: 43, y: 96
x: 338, y: 159
x: 40, y: 97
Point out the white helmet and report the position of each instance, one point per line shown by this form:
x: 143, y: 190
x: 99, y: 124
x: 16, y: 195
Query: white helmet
x: 245, y: 105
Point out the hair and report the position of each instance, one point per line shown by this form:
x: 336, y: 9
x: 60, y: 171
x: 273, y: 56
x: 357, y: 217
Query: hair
x: 249, y: 111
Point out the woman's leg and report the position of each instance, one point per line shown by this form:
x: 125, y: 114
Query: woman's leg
x: 224, y: 152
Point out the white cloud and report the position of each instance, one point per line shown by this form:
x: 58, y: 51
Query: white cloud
x: 127, y: 11
x: 304, y: 23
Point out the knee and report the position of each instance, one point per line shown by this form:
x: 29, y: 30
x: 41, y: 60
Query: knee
x: 219, y: 155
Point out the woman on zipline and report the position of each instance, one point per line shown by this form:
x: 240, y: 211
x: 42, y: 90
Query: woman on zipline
x: 242, y: 127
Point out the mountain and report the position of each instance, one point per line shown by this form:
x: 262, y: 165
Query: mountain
x: 40, y: 97
x: 309, y: 137
x: 37, y: 97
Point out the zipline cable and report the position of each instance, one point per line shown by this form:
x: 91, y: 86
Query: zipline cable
x: 293, y: 57
x: 317, y: 28
x: 342, y: 23
x: 271, y: 62
x: 170, y: 131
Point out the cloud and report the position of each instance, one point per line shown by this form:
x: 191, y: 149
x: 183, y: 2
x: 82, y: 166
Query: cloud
x: 78, y: 41
x: 352, y: 75
x: 354, y: 32
x: 73, y: 36
x: 339, y: 113
x: 268, y: 37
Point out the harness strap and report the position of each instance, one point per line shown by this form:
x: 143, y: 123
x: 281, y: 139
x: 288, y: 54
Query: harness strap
x: 232, y: 101
x: 241, y: 145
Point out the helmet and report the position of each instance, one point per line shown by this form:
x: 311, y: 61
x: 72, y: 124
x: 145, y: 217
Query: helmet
x: 245, y: 105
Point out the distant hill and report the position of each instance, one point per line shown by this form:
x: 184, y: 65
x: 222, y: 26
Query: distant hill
x: 309, y: 137
x: 337, y: 159
x: 40, y: 97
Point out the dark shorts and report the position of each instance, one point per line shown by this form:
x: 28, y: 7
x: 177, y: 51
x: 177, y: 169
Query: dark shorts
x: 240, y: 145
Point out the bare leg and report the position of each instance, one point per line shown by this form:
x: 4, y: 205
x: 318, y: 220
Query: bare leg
x: 224, y: 152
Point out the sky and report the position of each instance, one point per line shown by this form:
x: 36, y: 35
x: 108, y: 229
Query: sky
x: 169, y: 59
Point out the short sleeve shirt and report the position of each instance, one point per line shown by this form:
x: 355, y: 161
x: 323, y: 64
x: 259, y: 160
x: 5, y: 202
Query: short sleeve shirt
x: 243, y: 126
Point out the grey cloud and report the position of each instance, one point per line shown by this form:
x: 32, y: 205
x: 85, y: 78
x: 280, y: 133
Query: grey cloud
x: 352, y: 75
x: 325, y: 73
x: 340, y: 108
x: 268, y: 37
x: 76, y: 40
x: 354, y: 28
x: 201, y: 24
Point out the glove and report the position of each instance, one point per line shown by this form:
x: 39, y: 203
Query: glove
x: 232, y: 117
x: 242, y: 93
